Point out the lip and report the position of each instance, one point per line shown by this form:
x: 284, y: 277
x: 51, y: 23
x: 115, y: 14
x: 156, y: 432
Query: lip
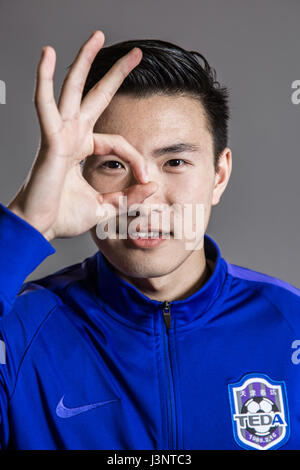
x: 142, y: 242
x: 146, y: 242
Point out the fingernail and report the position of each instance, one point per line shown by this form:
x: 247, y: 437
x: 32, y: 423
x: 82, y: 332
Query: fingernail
x: 135, y: 51
x: 94, y: 32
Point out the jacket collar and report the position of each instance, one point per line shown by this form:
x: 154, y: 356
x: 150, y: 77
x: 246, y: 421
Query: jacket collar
x: 129, y: 305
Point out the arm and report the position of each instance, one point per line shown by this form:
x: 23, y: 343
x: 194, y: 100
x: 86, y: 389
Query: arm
x: 22, y: 249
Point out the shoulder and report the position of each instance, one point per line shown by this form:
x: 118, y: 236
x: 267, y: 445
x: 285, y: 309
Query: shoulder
x: 54, y: 285
x: 284, y: 296
x: 265, y: 282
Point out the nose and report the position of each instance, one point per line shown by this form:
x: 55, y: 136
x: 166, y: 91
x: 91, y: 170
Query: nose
x: 158, y: 197
x: 153, y: 209
x: 152, y: 202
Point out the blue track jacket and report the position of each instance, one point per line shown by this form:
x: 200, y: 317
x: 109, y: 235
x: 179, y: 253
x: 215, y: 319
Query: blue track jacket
x: 89, y: 362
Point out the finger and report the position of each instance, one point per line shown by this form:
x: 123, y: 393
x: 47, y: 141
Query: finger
x: 72, y: 88
x: 99, y: 97
x: 105, y: 144
x: 47, y: 111
x: 136, y: 193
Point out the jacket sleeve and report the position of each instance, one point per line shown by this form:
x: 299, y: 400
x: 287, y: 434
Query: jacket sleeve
x: 22, y: 249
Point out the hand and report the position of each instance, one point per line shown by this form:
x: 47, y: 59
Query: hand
x: 55, y: 198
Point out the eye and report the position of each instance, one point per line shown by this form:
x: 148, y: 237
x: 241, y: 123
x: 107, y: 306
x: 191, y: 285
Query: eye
x: 116, y: 165
x: 112, y: 165
x: 175, y: 160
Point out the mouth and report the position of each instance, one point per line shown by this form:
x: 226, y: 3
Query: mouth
x: 146, y: 239
x: 147, y: 233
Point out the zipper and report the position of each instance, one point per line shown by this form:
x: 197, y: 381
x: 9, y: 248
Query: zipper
x: 171, y: 396
x: 167, y: 314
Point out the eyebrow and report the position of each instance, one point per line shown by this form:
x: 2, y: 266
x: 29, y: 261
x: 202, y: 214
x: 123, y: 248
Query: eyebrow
x: 176, y: 148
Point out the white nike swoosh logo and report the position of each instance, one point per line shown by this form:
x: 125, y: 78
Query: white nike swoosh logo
x: 64, y: 412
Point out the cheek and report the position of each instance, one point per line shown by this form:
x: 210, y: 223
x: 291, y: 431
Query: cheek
x: 195, y: 189
x: 89, y: 175
x: 103, y: 183
x: 194, y: 196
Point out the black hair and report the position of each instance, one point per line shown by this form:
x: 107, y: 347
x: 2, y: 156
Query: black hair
x: 169, y: 69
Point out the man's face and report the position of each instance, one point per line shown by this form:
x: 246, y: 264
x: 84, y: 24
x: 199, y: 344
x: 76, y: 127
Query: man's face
x: 187, y: 177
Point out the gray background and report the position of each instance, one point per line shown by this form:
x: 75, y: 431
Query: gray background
x: 254, y: 46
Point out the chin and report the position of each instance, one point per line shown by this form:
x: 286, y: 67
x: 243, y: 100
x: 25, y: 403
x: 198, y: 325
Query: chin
x: 140, y: 263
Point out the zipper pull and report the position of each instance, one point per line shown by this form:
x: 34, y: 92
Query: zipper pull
x: 167, y: 314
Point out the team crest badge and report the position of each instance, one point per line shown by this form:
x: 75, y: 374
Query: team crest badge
x: 259, y: 412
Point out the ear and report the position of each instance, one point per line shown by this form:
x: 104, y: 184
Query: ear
x: 222, y: 175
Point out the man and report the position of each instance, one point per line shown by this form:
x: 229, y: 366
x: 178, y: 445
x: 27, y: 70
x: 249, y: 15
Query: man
x: 147, y: 344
